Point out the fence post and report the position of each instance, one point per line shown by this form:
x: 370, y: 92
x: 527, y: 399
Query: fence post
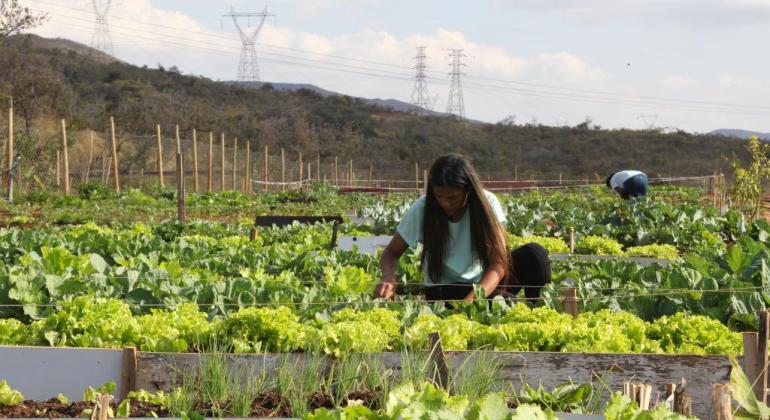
x: 223, y: 162
x: 65, y: 157
x: 58, y: 168
x: 425, y: 181
x: 235, y: 164
x: 283, y: 170
x: 317, y: 169
x: 90, y: 157
x: 210, y: 177
x: 10, y: 150
x: 115, y: 170
x: 762, y: 337
x: 336, y: 173
x: 417, y: 178
x: 247, y: 176
x: 267, y: 173
x: 180, y: 187
x: 351, y: 177
x: 160, y: 157
x: 195, y: 158
x: 570, y: 301
x: 128, y: 372
x: 751, y: 361
x: 178, y: 140
x: 302, y: 168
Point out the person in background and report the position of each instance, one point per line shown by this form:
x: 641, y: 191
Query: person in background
x: 460, y: 226
x: 628, y: 183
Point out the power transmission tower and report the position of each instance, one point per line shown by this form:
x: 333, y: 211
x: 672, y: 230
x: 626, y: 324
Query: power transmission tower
x: 420, y: 97
x: 649, y: 120
x: 248, y: 69
x: 455, y: 104
x: 101, y: 39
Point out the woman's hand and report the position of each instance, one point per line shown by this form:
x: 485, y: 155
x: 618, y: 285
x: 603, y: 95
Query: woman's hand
x: 388, y: 261
x: 386, y: 289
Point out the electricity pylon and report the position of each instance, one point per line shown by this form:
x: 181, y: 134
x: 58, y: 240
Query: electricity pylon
x: 420, y: 97
x: 101, y: 39
x: 248, y: 68
x: 455, y: 103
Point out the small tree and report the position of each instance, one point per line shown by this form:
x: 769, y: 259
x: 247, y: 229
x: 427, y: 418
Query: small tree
x: 14, y: 18
x: 746, y: 191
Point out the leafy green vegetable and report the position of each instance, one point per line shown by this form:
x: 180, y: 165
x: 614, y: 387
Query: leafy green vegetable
x: 9, y: 396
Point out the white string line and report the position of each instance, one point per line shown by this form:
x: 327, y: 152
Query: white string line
x: 403, y: 301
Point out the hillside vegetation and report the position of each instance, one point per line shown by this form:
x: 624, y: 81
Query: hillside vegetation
x: 57, y: 79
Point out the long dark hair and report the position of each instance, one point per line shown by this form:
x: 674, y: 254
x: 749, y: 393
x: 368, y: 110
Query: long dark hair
x: 455, y: 171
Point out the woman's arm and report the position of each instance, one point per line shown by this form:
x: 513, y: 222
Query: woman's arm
x: 492, y: 275
x: 388, y: 261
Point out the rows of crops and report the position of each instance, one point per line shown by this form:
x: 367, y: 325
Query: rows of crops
x: 163, y: 286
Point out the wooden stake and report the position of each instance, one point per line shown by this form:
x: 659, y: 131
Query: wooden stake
x: 336, y: 173
x: 301, y: 168
x: 160, y: 156
x: 247, y: 177
x: 317, y: 169
x: 178, y: 141
x: 570, y: 301
x: 90, y: 157
x: 572, y: 240
x: 417, y: 177
x: 722, y: 401
x: 267, y: 173
x: 223, y: 163
x: 682, y: 401
x: 180, y: 187
x: 762, y: 337
x: 438, y: 362
x: 10, y: 150
x: 116, y: 172
x: 65, y: 157
x: 210, y: 174
x: 371, y: 170
x: 751, y: 361
x: 128, y: 372
x: 425, y: 181
x: 235, y: 164
x: 195, y: 159
x: 283, y: 170
x: 58, y: 168
x: 350, y: 174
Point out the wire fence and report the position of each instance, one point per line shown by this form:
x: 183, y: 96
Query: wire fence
x: 215, y: 162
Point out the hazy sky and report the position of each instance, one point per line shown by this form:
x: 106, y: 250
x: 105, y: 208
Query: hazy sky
x: 695, y: 65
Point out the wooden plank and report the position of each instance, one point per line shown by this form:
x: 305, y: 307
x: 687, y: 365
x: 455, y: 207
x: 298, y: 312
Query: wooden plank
x: 128, y: 372
x: 570, y: 301
x: 155, y: 370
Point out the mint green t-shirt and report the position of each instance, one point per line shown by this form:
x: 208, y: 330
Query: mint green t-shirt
x: 461, y: 264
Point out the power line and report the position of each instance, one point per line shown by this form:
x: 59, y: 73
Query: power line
x: 594, y: 97
x: 615, y: 95
x: 455, y: 103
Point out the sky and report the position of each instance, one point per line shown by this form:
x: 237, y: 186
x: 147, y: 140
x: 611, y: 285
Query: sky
x: 694, y: 65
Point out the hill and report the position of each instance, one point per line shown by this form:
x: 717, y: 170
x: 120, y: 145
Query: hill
x: 51, y: 79
x: 740, y: 134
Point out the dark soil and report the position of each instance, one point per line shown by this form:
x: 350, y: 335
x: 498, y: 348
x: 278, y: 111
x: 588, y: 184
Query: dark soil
x: 369, y: 397
x: 142, y: 409
x: 270, y: 404
x: 52, y: 408
x: 319, y: 399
